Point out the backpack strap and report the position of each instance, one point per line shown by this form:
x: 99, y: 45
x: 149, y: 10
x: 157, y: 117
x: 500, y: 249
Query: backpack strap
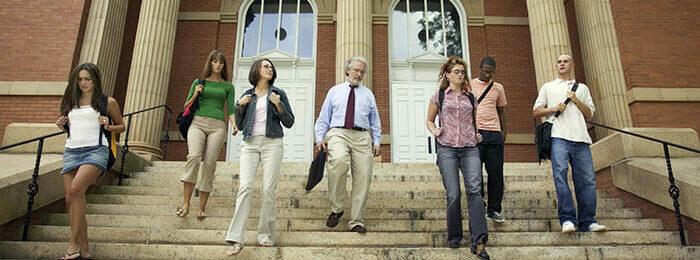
x: 441, y: 99
x: 103, y: 112
x: 566, y: 102
x: 483, y: 95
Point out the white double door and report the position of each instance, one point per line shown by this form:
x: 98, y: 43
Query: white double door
x: 298, y: 83
x: 412, y: 86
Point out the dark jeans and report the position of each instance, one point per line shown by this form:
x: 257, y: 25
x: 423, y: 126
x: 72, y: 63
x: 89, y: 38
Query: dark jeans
x: 450, y: 161
x: 491, y: 153
x: 577, y: 154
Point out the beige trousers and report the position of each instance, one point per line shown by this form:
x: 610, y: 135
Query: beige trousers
x: 203, y: 131
x: 268, y: 153
x: 349, y: 149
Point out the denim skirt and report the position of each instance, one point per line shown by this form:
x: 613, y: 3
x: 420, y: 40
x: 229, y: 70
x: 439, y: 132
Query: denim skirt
x: 95, y: 155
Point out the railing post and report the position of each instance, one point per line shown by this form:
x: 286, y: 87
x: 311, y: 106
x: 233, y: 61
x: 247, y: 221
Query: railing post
x: 167, y: 133
x: 125, y: 149
x: 675, y: 193
x: 32, y: 189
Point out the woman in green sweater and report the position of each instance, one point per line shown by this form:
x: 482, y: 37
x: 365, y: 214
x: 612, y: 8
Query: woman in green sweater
x: 208, y: 129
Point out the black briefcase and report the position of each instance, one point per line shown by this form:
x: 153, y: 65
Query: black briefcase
x: 316, y: 170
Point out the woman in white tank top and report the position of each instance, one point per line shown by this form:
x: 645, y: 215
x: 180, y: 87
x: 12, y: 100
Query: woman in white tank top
x: 84, y: 159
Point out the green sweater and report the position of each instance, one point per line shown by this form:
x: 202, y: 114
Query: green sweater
x: 213, y: 97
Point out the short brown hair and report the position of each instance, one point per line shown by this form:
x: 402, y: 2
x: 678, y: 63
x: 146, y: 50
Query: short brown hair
x: 254, y: 75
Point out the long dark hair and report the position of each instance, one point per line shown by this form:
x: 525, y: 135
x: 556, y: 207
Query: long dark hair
x: 447, y: 68
x: 215, y: 55
x: 254, y: 75
x: 71, y: 97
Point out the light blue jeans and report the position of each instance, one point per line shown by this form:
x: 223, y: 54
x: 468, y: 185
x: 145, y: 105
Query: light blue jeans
x: 578, y: 154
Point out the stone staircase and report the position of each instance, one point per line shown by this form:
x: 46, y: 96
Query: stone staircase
x: 405, y: 218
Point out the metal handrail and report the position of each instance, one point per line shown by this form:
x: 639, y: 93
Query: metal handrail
x: 33, y: 187
x: 673, y: 190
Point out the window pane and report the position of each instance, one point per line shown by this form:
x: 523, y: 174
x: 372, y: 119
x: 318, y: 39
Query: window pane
x: 250, y: 33
x: 398, y: 31
x: 416, y: 31
x: 306, y: 30
x: 269, y: 25
x: 288, y: 28
x: 434, y: 19
x: 453, y: 30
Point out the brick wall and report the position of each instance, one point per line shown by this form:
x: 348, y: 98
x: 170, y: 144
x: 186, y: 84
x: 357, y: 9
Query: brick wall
x: 516, y: 8
x: 659, y: 49
x: 380, y: 81
x: 43, y: 46
x: 39, y: 39
x: 325, y: 64
x: 200, y: 5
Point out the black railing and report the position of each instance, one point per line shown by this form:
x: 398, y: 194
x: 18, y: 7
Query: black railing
x: 33, y: 187
x: 673, y: 190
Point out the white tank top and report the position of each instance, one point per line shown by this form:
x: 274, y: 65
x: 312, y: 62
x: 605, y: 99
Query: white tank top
x: 260, y: 119
x: 84, y: 127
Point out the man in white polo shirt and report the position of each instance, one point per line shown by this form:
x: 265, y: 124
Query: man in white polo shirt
x: 570, y: 145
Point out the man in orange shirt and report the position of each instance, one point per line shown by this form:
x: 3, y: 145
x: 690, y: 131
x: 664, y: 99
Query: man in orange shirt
x: 491, y: 122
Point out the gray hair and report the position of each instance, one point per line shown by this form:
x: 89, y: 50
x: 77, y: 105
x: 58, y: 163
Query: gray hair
x: 351, y: 61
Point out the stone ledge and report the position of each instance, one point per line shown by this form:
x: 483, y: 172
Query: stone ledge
x: 18, y: 132
x: 618, y: 146
x: 648, y: 179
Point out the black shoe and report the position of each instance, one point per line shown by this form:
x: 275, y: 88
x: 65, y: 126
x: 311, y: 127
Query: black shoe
x: 359, y: 229
x: 333, y: 219
x: 483, y: 255
x: 495, y: 216
x: 453, y: 244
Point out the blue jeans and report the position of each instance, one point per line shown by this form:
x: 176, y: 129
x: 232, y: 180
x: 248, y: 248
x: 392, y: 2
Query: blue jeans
x: 450, y: 161
x: 579, y: 155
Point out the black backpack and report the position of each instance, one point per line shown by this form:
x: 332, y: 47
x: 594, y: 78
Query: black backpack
x: 543, y: 134
x: 111, y: 137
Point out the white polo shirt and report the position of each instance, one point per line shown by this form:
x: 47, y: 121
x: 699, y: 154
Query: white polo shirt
x: 570, y: 125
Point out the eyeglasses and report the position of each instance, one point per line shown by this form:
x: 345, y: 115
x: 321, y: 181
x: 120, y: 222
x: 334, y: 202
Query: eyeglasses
x: 464, y: 72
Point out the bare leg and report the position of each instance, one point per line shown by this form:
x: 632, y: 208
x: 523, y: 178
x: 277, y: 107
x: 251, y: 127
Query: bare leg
x: 189, y: 188
x: 85, y: 176
x: 203, y: 199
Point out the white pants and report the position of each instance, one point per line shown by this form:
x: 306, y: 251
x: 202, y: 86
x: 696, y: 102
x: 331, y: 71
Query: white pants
x: 268, y: 152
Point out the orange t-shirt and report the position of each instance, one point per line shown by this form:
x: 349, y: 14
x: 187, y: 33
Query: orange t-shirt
x: 486, y: 113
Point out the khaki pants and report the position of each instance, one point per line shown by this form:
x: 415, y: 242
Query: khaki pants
x: 209, y: 131
x: 268, y: 152
x: 349, y: 149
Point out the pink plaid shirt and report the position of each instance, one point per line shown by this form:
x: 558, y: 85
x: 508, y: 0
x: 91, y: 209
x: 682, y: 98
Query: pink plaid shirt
x: 457, y: 121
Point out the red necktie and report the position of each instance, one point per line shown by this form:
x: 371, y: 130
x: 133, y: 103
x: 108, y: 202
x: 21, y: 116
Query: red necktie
x: 350, y: 112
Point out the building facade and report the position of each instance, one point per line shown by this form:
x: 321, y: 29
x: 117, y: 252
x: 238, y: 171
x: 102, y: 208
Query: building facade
x: 639, y: 63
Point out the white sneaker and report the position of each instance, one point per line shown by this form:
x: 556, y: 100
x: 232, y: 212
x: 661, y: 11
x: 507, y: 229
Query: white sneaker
x: 567, y: 227
x: 595, y: 227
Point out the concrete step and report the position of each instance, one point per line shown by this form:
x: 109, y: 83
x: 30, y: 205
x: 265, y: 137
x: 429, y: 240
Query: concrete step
x: 392, y: 177
x: 323, y: 203
x: 285, y: 224
x: 370, y: 213
x: 299, y: 192
x: 228, y: 184
x: 404, y: 168
x: 352, y: 239
x: 53, y: 250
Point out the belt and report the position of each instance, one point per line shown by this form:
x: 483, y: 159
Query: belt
x: 356, y: 128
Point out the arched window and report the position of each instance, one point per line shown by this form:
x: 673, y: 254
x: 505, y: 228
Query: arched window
x: 285, y: 25
x: 427, y: 26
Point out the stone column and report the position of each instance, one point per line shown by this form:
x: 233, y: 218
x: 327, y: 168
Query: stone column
x: 550, y: 36
x: 601, y: 56
x: 354, y: 36
x: 102, y: 43
x: 150, y: 74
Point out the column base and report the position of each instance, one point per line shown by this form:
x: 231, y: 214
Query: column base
x: 145, y: 150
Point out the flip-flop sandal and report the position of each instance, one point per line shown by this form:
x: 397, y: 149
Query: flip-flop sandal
x: 267, y: 244
x: 202, y: 215
x: 182, y: 212
x: 70, y: 254
x: 235, y: 249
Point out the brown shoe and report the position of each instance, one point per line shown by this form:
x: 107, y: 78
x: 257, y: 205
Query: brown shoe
x: 359, y: 229
x: 333, y: 219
